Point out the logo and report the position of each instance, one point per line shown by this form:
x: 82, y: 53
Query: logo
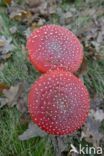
x: 86, y: 150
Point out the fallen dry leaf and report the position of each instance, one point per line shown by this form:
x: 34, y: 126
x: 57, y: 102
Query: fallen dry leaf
x: 67, y: 17
x: 98, y: 114
x: 41, y: 22
x: 25, y: 118
x: 2, y: 102
x: 58, y: 145
x: 90, y: 132
x: 22, y: 98
x: 19, y: 13
x: 10, y: 96
x: 34, y: 26
x: 5, y: 47
x: 33, y: 3
x: 61, y: 144
x: 13, y: 29
x: 83, y: 68
x: 27, y: 32
x: 22, y: 104
x: 3, y: 86
x: 42, y: 7
x: 32, y: 131
x: 7, y: 1
x: 99, y: 57
x: 96, y: 102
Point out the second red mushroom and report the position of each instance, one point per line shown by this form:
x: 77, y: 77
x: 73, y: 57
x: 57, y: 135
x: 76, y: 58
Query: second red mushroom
x: 58, y: 102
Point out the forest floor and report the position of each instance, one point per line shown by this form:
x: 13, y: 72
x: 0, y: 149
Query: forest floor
x: 17, y: 20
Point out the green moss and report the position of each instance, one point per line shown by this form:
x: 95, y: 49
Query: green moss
x: 94, y: 78
x: 16, y: 68
x: 10, y: 145
x: 102, y: 127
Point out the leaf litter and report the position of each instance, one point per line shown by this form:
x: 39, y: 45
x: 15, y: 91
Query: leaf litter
x: 5, y: 47
x: 9, y: 96
x: 32, y: 131
x: 35, y: 14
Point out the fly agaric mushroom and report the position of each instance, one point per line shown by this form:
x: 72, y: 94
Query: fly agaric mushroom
x: 58, y: 102
x: 52, y: 47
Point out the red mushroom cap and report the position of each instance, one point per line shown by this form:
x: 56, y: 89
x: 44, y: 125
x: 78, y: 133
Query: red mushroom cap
x: 58, y: 102
x: 52, y: 47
